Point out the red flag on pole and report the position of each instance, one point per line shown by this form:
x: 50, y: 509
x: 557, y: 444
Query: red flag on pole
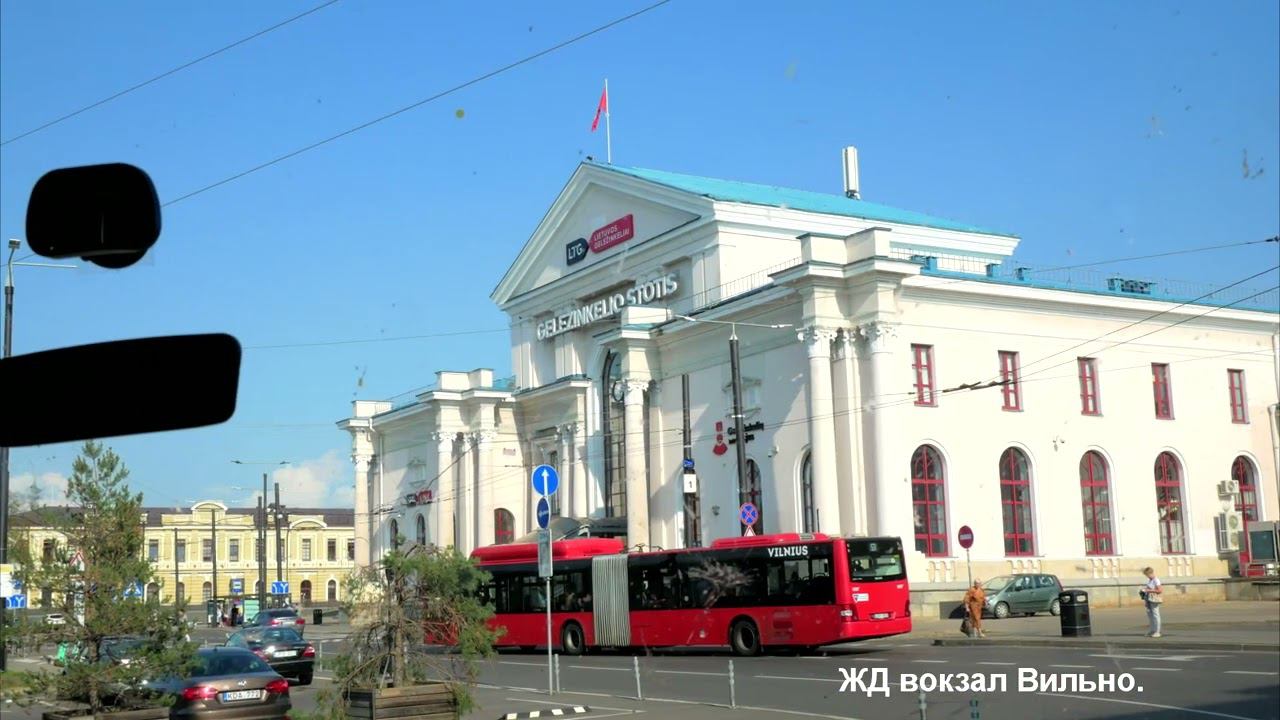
x: 603, y: 107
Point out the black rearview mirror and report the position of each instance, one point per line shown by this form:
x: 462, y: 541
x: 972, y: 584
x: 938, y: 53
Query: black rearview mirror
x: 119, y: 388
x: 106, y: 214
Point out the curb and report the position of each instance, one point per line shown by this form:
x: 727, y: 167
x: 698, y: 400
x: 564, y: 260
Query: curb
x: 1103, y: 644
x: 552, y: 712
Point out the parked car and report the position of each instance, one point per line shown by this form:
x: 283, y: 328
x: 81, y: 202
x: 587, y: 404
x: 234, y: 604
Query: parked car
x: 282, y: 647
x: 277, y: 617
x: 1026, y: 594
x: 55, y: 619
x: 228, y: 684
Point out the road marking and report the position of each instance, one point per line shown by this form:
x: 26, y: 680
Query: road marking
x: 786, y: 677
x: 931, y: 661
x: 996, y: 663
x: 557, y: 704
x: 1154, y: 705
x: 866, y: 660
x: 688, y: 672
x: 1072, y: 666
x: 800, y: 713
x: 512, y: 662
x: 1163, y: 658
x: 589, y: 667
x: 1251, y: 672
x: 1157, y: 669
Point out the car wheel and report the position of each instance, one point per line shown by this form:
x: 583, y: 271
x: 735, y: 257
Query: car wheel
x: 305, y: 678
x: 571, y: 640
x: 744, y: 638
x: 1001, y: 610
x: 1055, y: 607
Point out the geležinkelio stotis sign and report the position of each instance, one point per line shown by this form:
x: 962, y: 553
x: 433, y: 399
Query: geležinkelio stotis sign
x: 615, y: 233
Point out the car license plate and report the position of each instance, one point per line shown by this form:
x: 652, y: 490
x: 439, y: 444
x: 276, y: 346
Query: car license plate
x: 880, y: 616
x: 286, y: 653
x: 241, y: 695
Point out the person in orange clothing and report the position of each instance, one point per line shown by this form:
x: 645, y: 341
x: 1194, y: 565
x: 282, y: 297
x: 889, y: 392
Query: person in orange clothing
x: 974, y: 602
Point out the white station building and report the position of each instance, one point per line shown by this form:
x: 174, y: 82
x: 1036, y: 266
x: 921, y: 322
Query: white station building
x: 899, y: 376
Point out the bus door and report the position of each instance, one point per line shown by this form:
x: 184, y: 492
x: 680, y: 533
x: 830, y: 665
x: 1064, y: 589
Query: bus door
x: 654, y: 591
x: 611, y: 616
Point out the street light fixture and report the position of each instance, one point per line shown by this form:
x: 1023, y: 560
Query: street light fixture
x: 7, y: 351
x: 735, y: 370
x: 261, y: 523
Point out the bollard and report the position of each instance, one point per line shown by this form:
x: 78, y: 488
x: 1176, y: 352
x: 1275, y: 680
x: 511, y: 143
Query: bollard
x: 973, y: 710
x: 733, y: 692
x: 923, y: 706
x: 635, y: 663
x: 558, y: 688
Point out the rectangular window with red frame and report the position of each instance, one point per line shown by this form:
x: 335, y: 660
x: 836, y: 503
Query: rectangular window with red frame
x: 1090, y: 403
x: 1161, y: 389
x: 922, y: 365
x: 1010, y: 380
x: 1235, y: 383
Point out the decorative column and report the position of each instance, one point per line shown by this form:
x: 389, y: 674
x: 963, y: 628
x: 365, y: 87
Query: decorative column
x: 887, y: 498
x: 363, y: 519
x: 853, y: 502
x: 637, y: 478
x: 572, y: 477
x: 822, y: 434
x: 485, y: 491
x: 443, y: 488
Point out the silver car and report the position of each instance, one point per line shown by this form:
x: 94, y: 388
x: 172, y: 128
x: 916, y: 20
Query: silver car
x: 1022, y: 594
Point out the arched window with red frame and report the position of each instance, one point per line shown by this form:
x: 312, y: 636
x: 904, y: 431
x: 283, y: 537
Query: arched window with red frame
x: 504, y: 526
x: 1173, y: 533
x: 1015, y: 503
x: 929, y: 501
x: 1095, y: 497
x: 1246, y: 476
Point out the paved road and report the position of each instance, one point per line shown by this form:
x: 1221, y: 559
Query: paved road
x: 1173, y: 685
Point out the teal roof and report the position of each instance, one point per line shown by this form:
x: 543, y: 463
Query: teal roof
x: 805, y: 200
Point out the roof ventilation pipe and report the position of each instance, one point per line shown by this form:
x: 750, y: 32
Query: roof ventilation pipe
x: 851, y: 173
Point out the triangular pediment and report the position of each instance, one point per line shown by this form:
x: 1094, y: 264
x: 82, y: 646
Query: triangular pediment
x: 599, y: 215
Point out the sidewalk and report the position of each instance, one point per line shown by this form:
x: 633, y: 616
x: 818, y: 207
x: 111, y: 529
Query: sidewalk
x: 1239, y: 626
x: 508, y: 704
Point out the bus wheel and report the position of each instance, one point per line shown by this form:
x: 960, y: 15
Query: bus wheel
x: 744, y: 638
x: 571, y: 640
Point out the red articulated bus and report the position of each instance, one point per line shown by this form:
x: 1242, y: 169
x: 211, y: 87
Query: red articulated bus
x: 751, y: 593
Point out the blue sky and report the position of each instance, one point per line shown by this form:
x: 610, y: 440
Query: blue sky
x: 1092, y: 130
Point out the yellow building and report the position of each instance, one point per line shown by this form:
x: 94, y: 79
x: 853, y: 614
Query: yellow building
x: 215, y: 551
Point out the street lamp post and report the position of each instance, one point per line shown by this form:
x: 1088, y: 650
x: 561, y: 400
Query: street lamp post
x: 260, y: 521
x: 735, y: 372
x: 7, y: 351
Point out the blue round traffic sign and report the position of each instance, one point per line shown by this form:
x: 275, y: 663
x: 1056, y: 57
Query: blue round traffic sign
x: 545, y: 480
x: 688, y: 463
x: 544, y: 512
x: 748, y: 514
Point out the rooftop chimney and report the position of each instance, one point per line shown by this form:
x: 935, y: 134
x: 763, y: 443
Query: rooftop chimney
x: 851, y: 173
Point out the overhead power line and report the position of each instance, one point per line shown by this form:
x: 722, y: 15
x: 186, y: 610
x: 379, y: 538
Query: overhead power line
x: 325, y: 343
x: 167, y: 73
x: 414, y: 105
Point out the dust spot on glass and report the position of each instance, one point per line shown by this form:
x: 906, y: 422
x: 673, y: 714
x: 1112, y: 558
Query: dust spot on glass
x: 459, y: 113
x: 530, y: 28
x: 1186, y: 108
x: 1155, y: 130
x: 791, y: 70
x: 1247, y: 172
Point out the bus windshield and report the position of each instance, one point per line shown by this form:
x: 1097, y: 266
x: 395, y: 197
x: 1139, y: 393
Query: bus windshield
x: 879, y: 559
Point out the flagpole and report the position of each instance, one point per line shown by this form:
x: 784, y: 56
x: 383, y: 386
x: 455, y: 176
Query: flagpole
x: 608, y: 137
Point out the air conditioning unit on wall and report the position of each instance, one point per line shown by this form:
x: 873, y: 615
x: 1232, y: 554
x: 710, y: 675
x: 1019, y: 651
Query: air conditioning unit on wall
x: 1229, y: 526
x: 1229, y: 487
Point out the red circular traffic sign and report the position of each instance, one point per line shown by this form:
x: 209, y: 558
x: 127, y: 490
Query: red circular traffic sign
x: 965, y: 537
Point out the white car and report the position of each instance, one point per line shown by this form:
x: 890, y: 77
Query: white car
x: 55, y: 619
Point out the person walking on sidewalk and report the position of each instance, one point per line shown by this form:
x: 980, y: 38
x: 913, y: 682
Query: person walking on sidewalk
x: 974, y: 602
x: 1152, y: 595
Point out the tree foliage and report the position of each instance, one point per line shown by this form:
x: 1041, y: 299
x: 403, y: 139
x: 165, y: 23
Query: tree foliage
x: 95, y: 576
x: 416, y: 617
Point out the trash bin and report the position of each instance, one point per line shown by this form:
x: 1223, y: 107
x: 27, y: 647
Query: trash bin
x: 1073, y: 606
x: 317, y: 616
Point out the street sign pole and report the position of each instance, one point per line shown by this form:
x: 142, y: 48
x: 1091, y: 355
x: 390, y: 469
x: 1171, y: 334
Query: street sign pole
x: 546, y: 481
x: 969, y: 566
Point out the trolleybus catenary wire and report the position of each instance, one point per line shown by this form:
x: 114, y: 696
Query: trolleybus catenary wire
x: 167, y: 73
x: 419, y: 103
